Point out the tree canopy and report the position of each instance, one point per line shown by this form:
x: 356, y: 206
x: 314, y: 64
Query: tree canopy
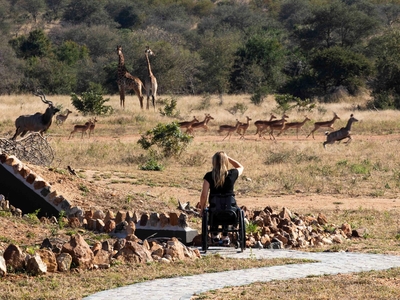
x: 304, y: 48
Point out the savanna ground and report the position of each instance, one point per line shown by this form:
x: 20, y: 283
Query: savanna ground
x: 356, y: 183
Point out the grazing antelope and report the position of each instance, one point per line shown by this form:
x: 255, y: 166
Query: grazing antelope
x: 340, y: 134
x: 60, y: 119
x: 296, y: 125
x: 91, y: 128
x: 260, y: 124
x: 38, y: 122
x: 274, y: 123
x: 230, y: 129
x: 186, y: 124
x: 243, y: 127
x: 202, y: 124
x: 81, y: 128
x: 328, y: 124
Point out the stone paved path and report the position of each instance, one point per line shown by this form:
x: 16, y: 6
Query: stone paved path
x: 183, y: 288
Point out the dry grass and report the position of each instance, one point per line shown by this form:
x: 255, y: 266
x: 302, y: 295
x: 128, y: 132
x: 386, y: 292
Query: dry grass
x: 368, y: 168
x: 382, y: 285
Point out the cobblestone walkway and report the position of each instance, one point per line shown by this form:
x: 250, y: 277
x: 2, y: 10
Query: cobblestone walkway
x: 183, y: 288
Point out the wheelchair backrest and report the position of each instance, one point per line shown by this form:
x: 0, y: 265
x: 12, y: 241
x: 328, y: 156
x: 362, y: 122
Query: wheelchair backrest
x: 223, y: 209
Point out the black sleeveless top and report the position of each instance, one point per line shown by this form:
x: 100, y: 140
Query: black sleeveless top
x: 228, y: 187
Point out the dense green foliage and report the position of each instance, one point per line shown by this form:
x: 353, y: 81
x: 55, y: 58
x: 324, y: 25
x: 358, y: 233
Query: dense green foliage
x: 168, y: 138
x: 308, y: 49
x: 91, y: 103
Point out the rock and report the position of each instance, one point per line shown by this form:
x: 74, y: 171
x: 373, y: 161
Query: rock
x: 14, y: 257
x: 285, y: 214
x: 322, y: 220
x: 164, y: 220
x: 64, y: 261
x: 99, y: 214
x: 35, y: 265
x: 80, y: 251
x: 173, y: 219
x: 360, y: 232
x: 120, y: 217
x: 154, y: 219
x: 109, y: 226
x: 130, y: 229
x: 143, y: 219
x: 134, y: 252
x: 175, y: 249
x: 74, y: 222
x: 3, y: 267
x: 49, y: 259
x: 100, y: 225
x: 109, y: 216
x: 183, y: 220
x: 346, y: 229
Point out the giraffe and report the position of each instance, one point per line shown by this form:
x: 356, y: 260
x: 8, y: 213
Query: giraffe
x: 151, y: 81
x: 126, y: 81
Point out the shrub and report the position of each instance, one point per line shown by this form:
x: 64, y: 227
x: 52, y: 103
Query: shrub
x: 167, y: 137
x: 169, y: 109
x: 91, y: 103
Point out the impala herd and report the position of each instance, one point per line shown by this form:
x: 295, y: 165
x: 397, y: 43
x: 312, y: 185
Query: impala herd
x: 40, y: 122
x: 272, y: 125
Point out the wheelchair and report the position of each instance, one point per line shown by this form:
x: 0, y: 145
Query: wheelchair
x: 223, y: 215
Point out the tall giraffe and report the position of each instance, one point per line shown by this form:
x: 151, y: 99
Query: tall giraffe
x: 151, y: 81
x: 126, y: 81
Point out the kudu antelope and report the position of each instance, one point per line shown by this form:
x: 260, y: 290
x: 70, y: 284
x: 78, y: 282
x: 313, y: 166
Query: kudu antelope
x: 81, y: 128
x: 60, y: 119
x: 340, y: 134
x: 243, y: 128
x: 297, y: 125
x: 230, y: 129
x: 202, y: 124
x: 38, y: 122
x: 186, y: 124
x: 260, y: 124
x: 328, y: 124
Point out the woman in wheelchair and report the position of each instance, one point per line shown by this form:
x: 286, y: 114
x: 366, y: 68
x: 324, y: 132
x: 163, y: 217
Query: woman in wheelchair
x: 218, y: 185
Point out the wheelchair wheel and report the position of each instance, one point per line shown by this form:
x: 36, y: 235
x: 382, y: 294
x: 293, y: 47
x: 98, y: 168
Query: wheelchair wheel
x: 204, y: 231
x: 242, y: 232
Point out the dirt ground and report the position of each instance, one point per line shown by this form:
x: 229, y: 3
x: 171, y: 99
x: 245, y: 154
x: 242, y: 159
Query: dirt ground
x: 103, y: 191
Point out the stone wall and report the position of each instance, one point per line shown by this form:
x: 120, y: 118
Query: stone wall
x: 28, y: 191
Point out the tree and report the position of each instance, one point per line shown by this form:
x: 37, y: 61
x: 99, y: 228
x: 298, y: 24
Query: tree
x: 259, y: 63
x: 70, y: 52
x: 338, y: 66
x: 335, y: 24
x: 217, y: 54
x: 34, y: 8
x: 36, y: 44
x: 386, y: 85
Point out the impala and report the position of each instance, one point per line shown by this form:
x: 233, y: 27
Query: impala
x: 202, y: 124
x: 243, y: 127
x: 60, y: 119
x: 91, y: 127
x: 260, y: 124
x: 275, y: 123
x: 296, y: 125
x: 229, y: 128
x: 81, y: 128
x: 328, y: 124
x: 186, y: 124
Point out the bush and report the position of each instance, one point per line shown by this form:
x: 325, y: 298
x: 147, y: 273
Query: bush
x: 167, y: 137
x: 169, y: 108
x: 91, y: 103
